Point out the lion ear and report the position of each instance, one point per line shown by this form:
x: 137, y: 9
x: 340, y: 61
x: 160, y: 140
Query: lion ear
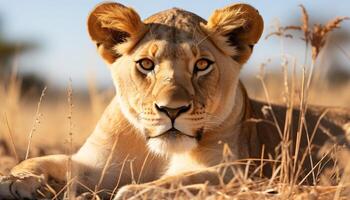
x: 236, y: 29
x: 112, y: 24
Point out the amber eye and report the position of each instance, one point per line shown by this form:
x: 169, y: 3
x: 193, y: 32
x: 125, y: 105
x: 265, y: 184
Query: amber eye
x: 145, y: 65
x: 203, y: 64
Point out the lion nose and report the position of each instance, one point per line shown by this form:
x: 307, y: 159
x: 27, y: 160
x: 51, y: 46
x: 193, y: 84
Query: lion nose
x: 173, y: 113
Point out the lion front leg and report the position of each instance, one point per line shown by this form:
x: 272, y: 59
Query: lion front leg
x: 184, y: 179
x: 29, y: 179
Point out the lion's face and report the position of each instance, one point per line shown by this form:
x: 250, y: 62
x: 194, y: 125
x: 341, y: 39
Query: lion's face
x: 176, y: 77
x: 175, y: 92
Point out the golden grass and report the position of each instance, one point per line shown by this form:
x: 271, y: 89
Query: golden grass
x: 73, y: 120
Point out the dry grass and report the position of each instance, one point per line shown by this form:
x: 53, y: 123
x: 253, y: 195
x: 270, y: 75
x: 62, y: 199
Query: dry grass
x: 20, y: 138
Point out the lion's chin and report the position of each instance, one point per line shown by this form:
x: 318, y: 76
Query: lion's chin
x: 169, y: 144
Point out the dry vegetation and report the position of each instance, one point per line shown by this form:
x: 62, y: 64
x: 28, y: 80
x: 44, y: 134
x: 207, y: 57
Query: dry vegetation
x: 55, y: 125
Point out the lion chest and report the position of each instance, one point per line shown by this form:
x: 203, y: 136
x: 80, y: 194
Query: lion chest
x: 181, y: 163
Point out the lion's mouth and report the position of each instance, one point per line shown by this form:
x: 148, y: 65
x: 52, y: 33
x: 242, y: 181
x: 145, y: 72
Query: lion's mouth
x: 173, y: 132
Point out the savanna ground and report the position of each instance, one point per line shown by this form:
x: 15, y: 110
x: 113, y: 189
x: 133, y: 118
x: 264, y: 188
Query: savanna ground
x: 59, y: 122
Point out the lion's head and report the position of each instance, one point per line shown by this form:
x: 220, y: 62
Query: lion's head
x: 175, y: 74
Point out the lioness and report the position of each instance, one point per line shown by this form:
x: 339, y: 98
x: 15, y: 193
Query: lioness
x: 178, y: 103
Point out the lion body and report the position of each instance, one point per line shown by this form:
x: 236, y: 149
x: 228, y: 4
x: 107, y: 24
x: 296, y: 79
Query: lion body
x: 128, y: 144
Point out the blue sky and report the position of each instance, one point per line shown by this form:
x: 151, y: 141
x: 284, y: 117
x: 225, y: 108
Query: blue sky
x: 65, y: 50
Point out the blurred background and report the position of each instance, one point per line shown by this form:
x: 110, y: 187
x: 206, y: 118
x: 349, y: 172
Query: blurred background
x: 45, y: 43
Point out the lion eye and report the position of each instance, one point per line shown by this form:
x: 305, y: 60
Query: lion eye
x: 203, y: 64
x: 145, y: 65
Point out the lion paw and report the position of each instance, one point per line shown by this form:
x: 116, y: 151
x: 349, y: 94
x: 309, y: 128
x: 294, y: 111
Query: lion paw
x: 24, y: 186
